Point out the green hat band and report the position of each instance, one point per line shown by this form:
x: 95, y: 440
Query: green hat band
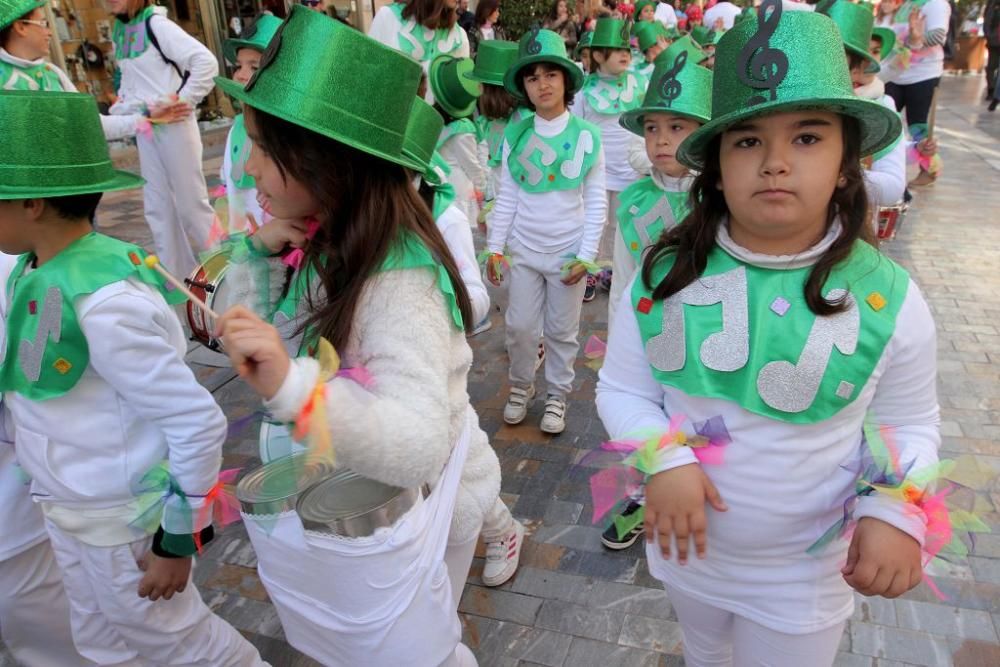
x: 783, y: 62
x: 611, y: 34
x: 493, y: 59
x: 454, y: 90
x: 255, y: 36
x: 855, y: 24
x: 328, y: 87
x: 678, y: 87
x: 422, y: 132
x: 52, y: 145
x: 541, y: 46
x: 12, y: 10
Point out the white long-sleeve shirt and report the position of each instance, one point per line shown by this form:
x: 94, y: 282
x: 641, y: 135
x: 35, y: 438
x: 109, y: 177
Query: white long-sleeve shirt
x: 242, y: 201
x: 467, y: 175
x: 615, y: 141
x: 458, y: 236
x: 886, y: 180
x: 115, y: 127
x: 784, y: 483
x: 726, y: 11
x: 136, y: 404
x: 555, y: 221
x: 147, y: 78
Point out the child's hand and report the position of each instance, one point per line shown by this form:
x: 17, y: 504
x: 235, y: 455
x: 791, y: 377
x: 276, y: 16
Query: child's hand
x: 917, y: 23
x: 675, y: 506
x: 882, y: 560
x: 170, y: 113
x: 164, y: 576
x: 255, y: 348
x: 277, y: 234
x: 494, y: 272
x: 927, y: 147
x: 575, y: 274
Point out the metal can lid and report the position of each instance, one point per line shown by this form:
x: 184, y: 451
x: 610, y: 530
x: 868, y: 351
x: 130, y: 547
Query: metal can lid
x: 274, y: 487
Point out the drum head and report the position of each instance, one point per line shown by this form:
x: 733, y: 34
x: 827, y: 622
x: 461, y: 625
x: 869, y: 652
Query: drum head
x: 275, y: 487
x: 344, y: 495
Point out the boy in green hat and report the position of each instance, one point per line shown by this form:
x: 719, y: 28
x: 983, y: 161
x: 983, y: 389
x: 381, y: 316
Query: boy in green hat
x: 885, y: 172
x: 608, y: 92
x: 707, y: 38
x: 109, y: 417
x: 24, y: 43
x: 652, y: 40
x: 645, y: 11
x: 549, y: 215
x: 455, y: 95
x: 767, y: 320
x: 245, y: 212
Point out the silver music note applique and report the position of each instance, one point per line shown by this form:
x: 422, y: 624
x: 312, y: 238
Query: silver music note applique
x: 584, y: 146
x: 726, y: 350
x: 49, y: 326
x: 548, y: 157
x: 793, y: 388
x: 660, y: 211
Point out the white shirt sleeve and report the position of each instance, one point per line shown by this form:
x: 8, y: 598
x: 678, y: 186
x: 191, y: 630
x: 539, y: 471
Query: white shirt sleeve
x: 906, y: 402
x: 128, y: 334
x: 937, y: 14
x: 595, y: 209
x: 385, y: 27
x: 501, y: 218
x: 190, y: 55
x: 886, y: 180
x: 637, y: 158
x: 458, y: 236
x: 466, y: 153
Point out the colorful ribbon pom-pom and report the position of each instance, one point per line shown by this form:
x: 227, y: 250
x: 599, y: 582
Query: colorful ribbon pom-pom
x: 294, y: 257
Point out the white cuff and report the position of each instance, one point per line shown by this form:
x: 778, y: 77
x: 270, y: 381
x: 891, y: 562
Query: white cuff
x: 295, y: 390
x: 674, y: 458
x: 906, y: 517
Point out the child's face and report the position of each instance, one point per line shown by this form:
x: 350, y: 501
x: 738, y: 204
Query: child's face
x: 779, y: 173
x: 546, y: 87
x: 656, y: 49
x: 664, y: 133
x: 17, y: 217
x: 859, y: 77
x: 648, y: 13
x: 585, y: 59
x: 247, y: 62
x: 616, y: 62
x: 281, y: 195
x: 35, y: 38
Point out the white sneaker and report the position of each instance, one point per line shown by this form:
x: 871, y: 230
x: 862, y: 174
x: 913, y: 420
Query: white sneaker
x: 502, y: 556
x: 484, y: 326
x: 554, y: 419
x: 517, y: 404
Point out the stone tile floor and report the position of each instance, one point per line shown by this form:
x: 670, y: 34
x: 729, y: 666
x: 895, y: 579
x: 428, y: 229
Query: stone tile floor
x: 573, y: 603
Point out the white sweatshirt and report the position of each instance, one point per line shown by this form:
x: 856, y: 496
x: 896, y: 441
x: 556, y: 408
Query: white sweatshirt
x: 726, y: 11
x: 148, y: 78
x: 783, y: 482
x: 242, y: 201
x: 458, y: 235
x: 615, y: 140
x: 115, y: 127
x: 550, y: 222
x: 136, y: 404
x: 402, y: 429
x: 467, y: 175
x: 886, y: 180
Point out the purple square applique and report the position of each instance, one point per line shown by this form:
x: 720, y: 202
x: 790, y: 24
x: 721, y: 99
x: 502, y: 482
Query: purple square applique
x: 780, y: 306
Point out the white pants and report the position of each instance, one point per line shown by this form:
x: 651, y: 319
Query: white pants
x: 34, y: 611
x: 106, y: 611
x: 538, y: 303
x: 623, y: 267
x: 175, y: 197
x: 458, y: 558
x: 715, y: 637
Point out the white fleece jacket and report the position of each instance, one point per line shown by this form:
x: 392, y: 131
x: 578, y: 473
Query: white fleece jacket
x: 401, y: 431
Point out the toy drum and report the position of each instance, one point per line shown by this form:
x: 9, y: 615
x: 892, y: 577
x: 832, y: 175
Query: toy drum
x: 207, y: 282
x: 274, y: 487
x: 349, y: 505
x: 889, y: 220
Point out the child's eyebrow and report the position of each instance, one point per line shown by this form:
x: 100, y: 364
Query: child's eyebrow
x: 807, y: 122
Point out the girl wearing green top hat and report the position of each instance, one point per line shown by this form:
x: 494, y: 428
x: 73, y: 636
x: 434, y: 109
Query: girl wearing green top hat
x: 767, y: 328
x: 378, y: 283
x: 245, y: 212
x: 496, y: 107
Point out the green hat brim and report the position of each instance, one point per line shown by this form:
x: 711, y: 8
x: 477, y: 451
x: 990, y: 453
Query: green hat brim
x: 574, y: 72
x: 236, y: 91
x: 888, y: 37
x: 873, y: 64
x: 122, y: 180
x: 30, y: 7
x: 880, y: 126
x: 489, y: 79
x: 632, y: 120
x: 453, y: 111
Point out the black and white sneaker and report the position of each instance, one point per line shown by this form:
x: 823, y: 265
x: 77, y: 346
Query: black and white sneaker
x: 609, y: 537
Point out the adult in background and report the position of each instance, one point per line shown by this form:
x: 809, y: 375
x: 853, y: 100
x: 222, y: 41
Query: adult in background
x: 666, y: 15
x: 991, y: 29
x: 727, y: 11
x: 487, y: 15
x: 921, y: 27
x: 561, y: 21
x: 160, y: 63
x: 466, y: 19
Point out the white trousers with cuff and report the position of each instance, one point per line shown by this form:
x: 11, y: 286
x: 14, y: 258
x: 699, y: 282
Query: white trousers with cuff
x: 538, y: 302
x: 714, y: 637
x: 175, y: 197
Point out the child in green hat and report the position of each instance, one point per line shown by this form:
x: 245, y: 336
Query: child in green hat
x: 24, y: 44
x: 652, y: 41
x: 455, y: 95
x: 245, y: 212
x: 759, y: 352
x: 378, y: 285
x: 109, y: 417
x: 549, y: 216
x: 608, y: 92
x: 422, y: 29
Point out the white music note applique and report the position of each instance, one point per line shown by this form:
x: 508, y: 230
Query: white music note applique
x: 584, y: 146
x: 406, y: 33
x: 631, y: 85
x: 523, y: 158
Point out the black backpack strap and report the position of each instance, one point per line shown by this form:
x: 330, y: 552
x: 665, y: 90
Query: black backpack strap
x: 156, y: 45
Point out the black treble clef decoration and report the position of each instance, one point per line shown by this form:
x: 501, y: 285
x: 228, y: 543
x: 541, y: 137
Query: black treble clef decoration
x: 269, y: 54
x: 760, y: 66
x: 668, y: 85
x: 533, y: 47
x: 626, y: 32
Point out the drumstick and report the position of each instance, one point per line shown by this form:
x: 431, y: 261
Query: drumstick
x: 153, y: 262
x: 933, y: 113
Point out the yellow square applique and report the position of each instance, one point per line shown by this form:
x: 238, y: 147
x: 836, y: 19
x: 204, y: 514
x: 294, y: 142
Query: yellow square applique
x: 635, y: 246
x: 876, y: 301
x: 62, y: 366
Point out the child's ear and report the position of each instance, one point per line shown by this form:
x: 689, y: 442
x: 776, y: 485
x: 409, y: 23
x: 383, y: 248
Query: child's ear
x: 33, y: 209
x: 842, y: 181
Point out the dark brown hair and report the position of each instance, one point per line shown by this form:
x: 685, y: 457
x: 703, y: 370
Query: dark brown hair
x: 604, y: 51
x: 484, y: 10
x: 691, y: 241
x: 431, y: 14
x: 496, y: 102
x: 367, y: 203
x: 542, y: 68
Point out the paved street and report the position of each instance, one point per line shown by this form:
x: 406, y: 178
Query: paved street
x: 572, y: 602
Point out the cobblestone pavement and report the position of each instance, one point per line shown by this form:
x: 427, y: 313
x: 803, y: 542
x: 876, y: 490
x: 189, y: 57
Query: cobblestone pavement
x: 573, y: 603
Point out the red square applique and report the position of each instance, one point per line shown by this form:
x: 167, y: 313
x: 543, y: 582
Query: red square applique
x: 134, y: 258
x: 645, y: 304
x: 32, y: 307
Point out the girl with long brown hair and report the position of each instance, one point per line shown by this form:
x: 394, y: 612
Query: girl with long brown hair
x: 765, y: 349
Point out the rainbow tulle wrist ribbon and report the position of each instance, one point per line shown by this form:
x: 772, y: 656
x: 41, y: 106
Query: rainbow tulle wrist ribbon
x: 930, y: 163
x: 593, y: 268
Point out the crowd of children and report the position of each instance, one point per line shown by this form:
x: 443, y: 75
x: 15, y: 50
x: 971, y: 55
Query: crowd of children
x: 735, y: 172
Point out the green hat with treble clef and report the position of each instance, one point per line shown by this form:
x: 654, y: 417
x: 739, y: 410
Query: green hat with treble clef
x: 541, y: 46
x: 255, y: 36
x: 781, y: 62
x: 611, y: 34
x: 695, y: 54
x: 679, y: 87
x: 855, y: 24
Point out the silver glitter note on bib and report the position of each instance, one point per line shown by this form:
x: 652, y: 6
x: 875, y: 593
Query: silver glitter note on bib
x: 793, y: 388
x: 660, y: 211
x: 548, y: 157
x: 49, y: 325
x: 726, y: 350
